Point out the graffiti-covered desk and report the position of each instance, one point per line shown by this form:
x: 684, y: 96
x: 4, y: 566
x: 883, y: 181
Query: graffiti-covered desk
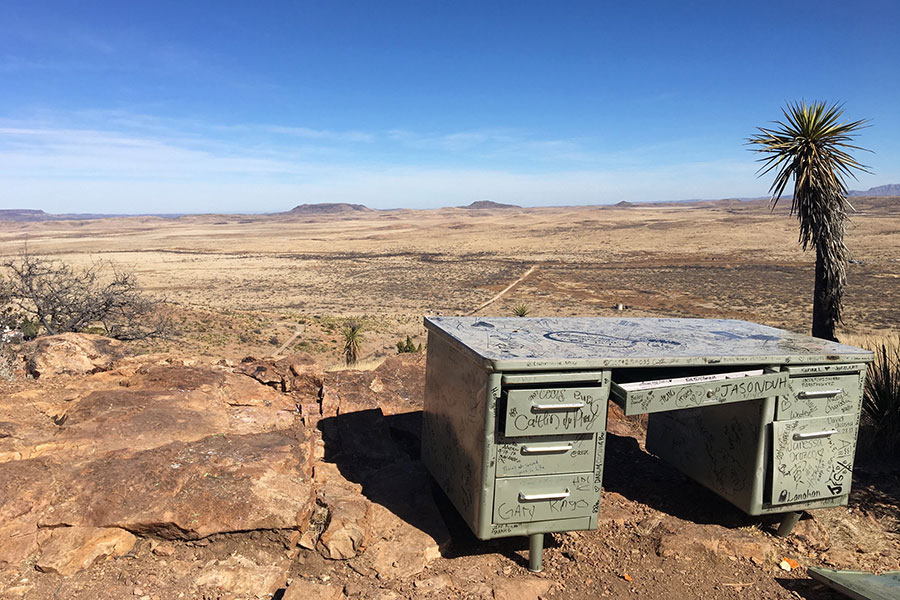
x: 515, y: 414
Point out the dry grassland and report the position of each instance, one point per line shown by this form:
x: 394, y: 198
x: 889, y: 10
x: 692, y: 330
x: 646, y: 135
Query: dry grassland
x: 239, y: 281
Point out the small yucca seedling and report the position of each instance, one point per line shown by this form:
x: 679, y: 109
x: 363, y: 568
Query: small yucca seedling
x: 408, y: 346
x: 521, y: 309
x: 353, y: 337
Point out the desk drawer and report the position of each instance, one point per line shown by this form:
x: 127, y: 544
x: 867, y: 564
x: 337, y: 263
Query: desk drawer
x: 555, y: 410
x: 692, y: 394
x: 546, y: 454
x: 812, y: 458
x: 820, y: 395
x: 545, y: 498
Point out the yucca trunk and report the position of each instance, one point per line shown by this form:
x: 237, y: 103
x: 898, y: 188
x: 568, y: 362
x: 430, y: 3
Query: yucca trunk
x: 825, y: 313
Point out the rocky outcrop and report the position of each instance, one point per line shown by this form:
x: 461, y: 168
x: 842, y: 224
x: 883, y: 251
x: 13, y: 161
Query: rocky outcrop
x: 71, y: 354
x: 178, y: 451
x: 297, y: 374
x: 221, y: 483
x: 396, y: 386
x: 161, y: 449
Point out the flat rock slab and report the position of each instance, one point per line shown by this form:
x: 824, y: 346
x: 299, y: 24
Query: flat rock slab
x: 67, y: 550
x: 191, y: 490
x: 148, y: 407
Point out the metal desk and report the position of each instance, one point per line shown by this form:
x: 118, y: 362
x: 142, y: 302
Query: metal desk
x: 514, y: 424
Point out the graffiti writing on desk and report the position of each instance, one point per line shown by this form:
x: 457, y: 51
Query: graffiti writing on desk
x: 785, y: 496
x: 564, y: 419
x: 586, y: 338
x: 795, y: 471
x: 519, y: 512
x: 598, y: 460
x: 843, y: 448
x: 582, y: 483
x: 839, y: 471
x: 569, y: 505
x: 504, y: 528
x: 509, y: 453
x: 750, y: 389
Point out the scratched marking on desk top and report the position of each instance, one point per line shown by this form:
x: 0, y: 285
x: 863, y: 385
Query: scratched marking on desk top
x: 580, y: 338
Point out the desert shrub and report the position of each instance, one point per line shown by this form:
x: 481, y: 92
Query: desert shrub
x: 353, y: 338
x: 29, y: 329
x: 274, y: 340
x: 51, y: 297
x: 408, y: 346
x: 521, y: 309
x: 880, y: 432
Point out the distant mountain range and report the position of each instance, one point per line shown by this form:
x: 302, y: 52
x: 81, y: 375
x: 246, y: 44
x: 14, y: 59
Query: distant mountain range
x: 891, y: 189
x: 343, y: 208
x: 28, y: 214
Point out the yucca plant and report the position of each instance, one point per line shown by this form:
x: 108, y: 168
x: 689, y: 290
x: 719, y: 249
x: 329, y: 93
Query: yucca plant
x: 353, y: 338
x: 810, y: 147
x: 881, y: 400
x: 521, y: 309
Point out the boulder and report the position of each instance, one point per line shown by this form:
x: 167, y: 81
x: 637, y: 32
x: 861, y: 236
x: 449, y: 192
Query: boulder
x: 682, y: 539
x: 67, y: 550
x: 297, y: 374
x: 522, y: 588
x: 192, y: 490
x: 303, y: 589
x: 407, y: 531
x: 242, y: 577
x: 396, y: 386
x: 347, y: 528
x: 71, y: 354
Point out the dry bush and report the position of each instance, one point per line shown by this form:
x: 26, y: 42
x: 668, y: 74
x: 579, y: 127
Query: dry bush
x: 60, y: 298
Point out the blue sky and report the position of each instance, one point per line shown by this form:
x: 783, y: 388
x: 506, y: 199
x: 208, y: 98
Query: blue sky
x: 135, y: 107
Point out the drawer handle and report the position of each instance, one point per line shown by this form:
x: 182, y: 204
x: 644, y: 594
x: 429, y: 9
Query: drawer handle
x: 558, y: 406
x: 523, y: 497
x: 820, y: 394
x: 546, y: 449
x: 815, y: 435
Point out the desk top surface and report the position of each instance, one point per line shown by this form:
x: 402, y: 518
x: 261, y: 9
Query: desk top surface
x: 525, y: 343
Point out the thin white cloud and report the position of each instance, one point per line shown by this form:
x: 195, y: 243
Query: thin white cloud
x: 141, y: 163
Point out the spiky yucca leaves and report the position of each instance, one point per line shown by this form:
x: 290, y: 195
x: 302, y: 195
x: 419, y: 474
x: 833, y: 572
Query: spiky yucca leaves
x: 810, y: 146
x: 353, y: 338
x: 880, y: 435
x: 521, y: 309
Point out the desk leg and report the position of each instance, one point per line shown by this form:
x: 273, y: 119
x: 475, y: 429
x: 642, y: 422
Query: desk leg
x: 787, y: 523
x: 536, y: 552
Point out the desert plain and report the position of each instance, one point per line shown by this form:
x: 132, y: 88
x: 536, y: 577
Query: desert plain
x: 249, y: 283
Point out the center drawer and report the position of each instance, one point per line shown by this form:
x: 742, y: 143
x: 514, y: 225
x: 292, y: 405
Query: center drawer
x: 545, y: 498
x: 642, y: 397
x: 555, y: 410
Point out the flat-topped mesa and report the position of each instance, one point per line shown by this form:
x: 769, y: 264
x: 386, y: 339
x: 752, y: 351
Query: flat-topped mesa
x: 329, y: 208
x: 482, y: 204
